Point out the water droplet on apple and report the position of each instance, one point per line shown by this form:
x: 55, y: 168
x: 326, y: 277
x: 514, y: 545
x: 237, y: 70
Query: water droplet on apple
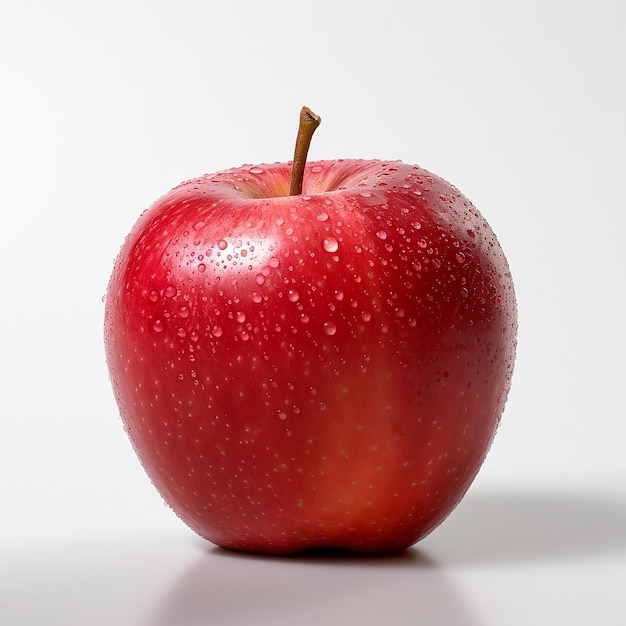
x: 259, y: 279
x: 417, y: 225
x: 217, y: 331
x: 293, y: 295
x: 169, y: 291
x: 181, y: 376
x: 460, y: 257
x: 464, y: 292
x: 241, y: 317
x: 339, y: 295
x: 330, y: 244
x: 181, y: 332
x: 281, y: 415
x: 257, y: 297
x: 322, y: 406
x: 222, y: 245
x: 436, y: 263
x: 153, y: 296
x: 201, y: 268
x: 256, y: 170
x: 330, y: 328
x: 158, y: 326
x: 184, y: 312
x: 295, y: 409
x: 322, y: 217
x: 366, y: 316
x: 366, y: 194
x: 381, y: 234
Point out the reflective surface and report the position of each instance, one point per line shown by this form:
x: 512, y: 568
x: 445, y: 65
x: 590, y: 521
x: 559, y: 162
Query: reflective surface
x: 517, y: 558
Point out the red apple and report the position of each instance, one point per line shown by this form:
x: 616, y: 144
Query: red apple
x: 325, y: 369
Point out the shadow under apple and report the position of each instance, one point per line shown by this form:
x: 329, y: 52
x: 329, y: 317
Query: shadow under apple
x: 317, y: 587
x: 177, y: 580
x: 497, y: 529
x: 513, y: 527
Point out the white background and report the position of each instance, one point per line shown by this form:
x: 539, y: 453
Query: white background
x: 104, y: 106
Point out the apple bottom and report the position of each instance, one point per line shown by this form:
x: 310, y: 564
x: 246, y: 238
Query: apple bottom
x: 364, y: 465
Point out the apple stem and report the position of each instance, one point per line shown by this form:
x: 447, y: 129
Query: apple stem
x: 309, y: 121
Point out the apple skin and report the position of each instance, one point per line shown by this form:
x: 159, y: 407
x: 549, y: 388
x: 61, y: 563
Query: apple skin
x: 320, y: 370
